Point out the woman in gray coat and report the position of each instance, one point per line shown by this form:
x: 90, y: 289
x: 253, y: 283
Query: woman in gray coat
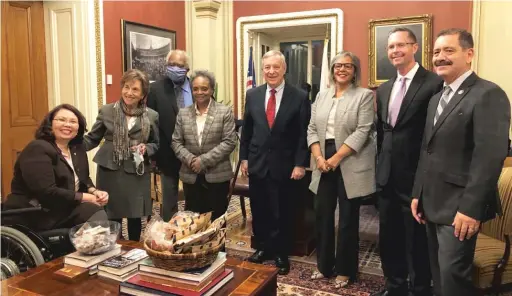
x: 340, y: 136
x: 130, y: 131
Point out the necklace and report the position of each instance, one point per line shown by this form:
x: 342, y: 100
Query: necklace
x: 65, y: 152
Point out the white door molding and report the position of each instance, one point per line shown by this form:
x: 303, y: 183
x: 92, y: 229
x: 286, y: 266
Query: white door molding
x: 332, y: 17
x: 74, y: 55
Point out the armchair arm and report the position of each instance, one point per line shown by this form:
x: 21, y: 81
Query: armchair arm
x: 502, y: 264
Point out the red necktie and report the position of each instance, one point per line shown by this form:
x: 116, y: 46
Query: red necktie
x: 271, y: 108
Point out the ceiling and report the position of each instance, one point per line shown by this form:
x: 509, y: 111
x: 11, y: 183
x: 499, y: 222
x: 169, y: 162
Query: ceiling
x: 294, y: 32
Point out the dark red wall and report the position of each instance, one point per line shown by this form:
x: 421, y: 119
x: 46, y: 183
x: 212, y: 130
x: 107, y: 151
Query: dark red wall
x: 356, y: 16
x: 164, y: 14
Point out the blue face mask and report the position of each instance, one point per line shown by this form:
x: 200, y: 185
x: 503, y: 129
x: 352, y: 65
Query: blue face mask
x: 176, y: 74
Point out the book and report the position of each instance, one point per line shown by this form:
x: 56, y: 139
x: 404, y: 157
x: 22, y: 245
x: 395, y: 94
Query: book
x: 192, y: 276
x: 179, y: 283
x: 117, y: 277
x: 136, y: 286
x: 92, y: 270
x: 87, y: 261
x: 121, y: 264
x: 71, y: 274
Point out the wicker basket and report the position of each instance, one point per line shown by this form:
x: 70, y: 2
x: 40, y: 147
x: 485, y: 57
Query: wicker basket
x: 182, y: 262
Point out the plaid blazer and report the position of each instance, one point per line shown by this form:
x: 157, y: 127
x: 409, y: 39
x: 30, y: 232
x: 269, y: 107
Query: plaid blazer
x: 217, y: 142
x: 353, y: 126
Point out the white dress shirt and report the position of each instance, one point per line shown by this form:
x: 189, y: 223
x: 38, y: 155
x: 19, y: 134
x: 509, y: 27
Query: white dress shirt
x: 200, y: 121
x: 131, y: 121
x: 457, y: 83
x: 70, y: 162
x: 329, y: 134
x: 396, y: 86
x: 279, y: 96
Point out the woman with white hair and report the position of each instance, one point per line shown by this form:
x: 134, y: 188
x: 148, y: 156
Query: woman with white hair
x: 340, y: 138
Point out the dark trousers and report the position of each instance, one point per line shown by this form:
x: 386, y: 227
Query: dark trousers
x: 82, y: 213
x: 331, y: 191
x: 451, y: 261
x: 272, y: 211
x: 203, y: 197
x: 169, y: 200
x: 403, y: 245
x: 134, y: 228
x: 57, y: 218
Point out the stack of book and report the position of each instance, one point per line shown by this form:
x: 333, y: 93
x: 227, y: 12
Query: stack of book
x: 123, y: 266
x: 90, y: 262
x: 151, y: 280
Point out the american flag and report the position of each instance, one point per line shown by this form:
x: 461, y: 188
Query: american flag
x: 251, y: 79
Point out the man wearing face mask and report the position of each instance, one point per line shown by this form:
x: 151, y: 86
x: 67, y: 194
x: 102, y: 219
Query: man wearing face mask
x: 166, y: 97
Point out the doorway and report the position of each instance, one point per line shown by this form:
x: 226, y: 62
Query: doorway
x: 277, y: 31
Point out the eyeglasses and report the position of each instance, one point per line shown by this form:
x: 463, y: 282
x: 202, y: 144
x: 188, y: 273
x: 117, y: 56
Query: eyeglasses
x: 62, y: 120
x: 401, y: 45
x: 348, y: 66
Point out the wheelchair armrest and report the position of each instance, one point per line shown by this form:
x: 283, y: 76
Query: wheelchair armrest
x: 21, y: 211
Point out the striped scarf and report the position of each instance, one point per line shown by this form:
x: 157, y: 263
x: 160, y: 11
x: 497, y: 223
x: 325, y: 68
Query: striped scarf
x: 121, y: 140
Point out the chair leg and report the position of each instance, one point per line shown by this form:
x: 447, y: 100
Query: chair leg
x: 242, y: 206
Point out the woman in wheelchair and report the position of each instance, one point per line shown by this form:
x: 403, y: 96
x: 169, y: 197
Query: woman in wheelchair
x: 52, y: 172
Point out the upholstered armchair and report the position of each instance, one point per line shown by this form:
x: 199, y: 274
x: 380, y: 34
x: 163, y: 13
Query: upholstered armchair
x: 492, y: 263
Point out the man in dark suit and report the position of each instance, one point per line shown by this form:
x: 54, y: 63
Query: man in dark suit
x: 166, y: 96
x: 461, y: 158
x: 402, y: 104
x: 274, y: 153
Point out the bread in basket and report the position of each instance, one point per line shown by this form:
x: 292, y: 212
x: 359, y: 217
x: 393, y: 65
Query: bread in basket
x: 188, y: 241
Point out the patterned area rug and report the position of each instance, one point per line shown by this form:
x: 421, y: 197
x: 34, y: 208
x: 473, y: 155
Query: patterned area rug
x: 298, y: 282
x: 240, y: 231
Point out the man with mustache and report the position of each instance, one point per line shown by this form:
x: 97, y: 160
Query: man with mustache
x: 464, y: 146
x: 166, y: 97
x: 274, y: 153
x: 401, y: 111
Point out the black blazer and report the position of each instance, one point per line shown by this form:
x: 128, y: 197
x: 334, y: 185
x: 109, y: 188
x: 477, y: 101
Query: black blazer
x: 162, y: 99
x: 278, y: 150
x: 399, y: 146
x: 462, y: 155
x: 43, y: 176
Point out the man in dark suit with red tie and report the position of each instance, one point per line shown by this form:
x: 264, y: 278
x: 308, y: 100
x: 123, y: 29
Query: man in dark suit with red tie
x: 274, y: 154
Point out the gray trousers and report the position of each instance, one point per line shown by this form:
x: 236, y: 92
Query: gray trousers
x: 169, y: 196
x: 451, y: 261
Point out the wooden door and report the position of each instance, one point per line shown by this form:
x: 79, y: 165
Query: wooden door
x: 24, y: 86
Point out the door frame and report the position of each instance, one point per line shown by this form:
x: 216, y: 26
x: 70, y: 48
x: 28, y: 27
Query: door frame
x: 332, y: 17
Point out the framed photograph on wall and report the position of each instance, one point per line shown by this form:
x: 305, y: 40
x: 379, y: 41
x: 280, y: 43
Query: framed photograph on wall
x: 146, y: 47
x: 380, y: 69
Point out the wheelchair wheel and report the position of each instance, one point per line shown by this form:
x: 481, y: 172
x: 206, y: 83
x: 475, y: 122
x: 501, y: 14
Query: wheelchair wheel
x: 17, y: 248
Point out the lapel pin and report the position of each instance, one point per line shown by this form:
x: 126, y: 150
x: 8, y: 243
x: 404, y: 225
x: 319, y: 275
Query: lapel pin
x: 460, y: 92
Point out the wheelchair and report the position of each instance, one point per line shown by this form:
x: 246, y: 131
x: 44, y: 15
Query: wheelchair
x: 23, y: 248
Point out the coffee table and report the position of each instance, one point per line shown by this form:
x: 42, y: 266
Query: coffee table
x: 250, y: 279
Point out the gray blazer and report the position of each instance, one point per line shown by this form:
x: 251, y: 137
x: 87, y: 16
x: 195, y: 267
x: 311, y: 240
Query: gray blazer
x: 103, y: 128
x: 354, y: 126
x: 217, y: 143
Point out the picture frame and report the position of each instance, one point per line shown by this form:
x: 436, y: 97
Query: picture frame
x: 146, y: 47
x: 380, y: 68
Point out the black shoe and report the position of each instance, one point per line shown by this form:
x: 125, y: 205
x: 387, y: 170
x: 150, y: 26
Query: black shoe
x: 283, y: 264
x: 259, y: 256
